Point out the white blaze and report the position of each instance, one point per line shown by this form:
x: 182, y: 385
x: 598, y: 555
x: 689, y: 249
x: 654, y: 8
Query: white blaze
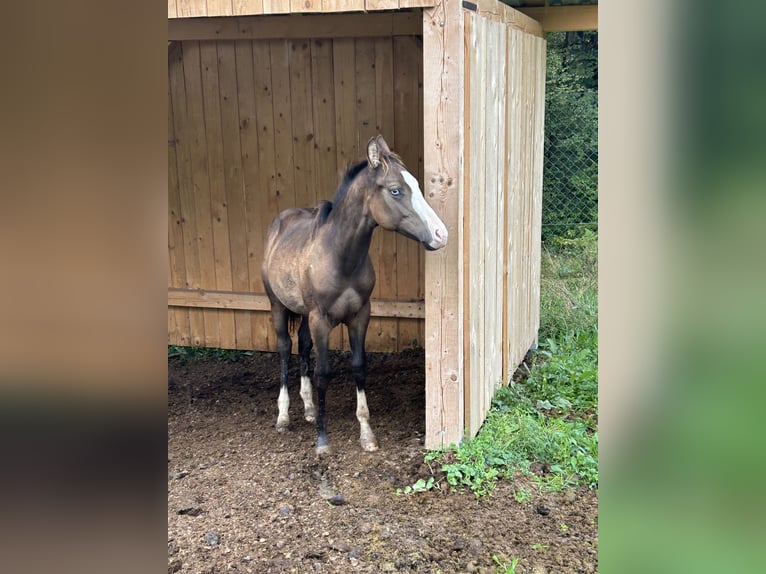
x: 426, y: 213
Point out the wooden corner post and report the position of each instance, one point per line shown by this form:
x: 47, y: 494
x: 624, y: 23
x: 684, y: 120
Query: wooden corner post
x: 443, y: 124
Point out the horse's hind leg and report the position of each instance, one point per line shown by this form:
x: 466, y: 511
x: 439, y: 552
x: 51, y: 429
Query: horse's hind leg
x: 304, y: 348
x: 357, y: 332
x: 280, y: 317
x: 320, y: 334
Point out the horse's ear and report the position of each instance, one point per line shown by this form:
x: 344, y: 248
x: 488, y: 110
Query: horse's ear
x: 373, y: 153
x: 383, y: 148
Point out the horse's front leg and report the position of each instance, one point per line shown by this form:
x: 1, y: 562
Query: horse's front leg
x: 357, y: 332
x: 320, y: 328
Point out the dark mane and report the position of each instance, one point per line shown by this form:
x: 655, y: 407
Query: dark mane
x: 348, y: 177
x: 321, y: 214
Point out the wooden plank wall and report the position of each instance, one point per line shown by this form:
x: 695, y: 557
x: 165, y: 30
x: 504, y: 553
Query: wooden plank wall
x: 505, y: 75
x: 256, y: 126
x: 199, y: 8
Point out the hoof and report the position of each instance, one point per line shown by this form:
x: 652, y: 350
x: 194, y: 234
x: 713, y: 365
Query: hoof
x: 370, y: 444
x: 311, y: 418
x: 310, y: 415
x: 324, y: 450
x: 282, y: 426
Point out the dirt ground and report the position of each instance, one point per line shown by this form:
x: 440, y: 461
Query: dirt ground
x: 243, y: 497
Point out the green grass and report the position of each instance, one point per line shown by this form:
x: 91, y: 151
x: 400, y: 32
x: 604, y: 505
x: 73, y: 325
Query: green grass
x: 189, y: 354
x: 551, y: 417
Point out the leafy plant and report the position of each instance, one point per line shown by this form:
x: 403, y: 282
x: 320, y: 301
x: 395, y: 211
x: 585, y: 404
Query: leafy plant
x: 421, y: 485
x: 505, y: 567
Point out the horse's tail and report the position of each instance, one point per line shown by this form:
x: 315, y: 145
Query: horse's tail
x: 293, y: 321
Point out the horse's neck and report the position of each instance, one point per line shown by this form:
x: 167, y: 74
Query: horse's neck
x: 349, y: 231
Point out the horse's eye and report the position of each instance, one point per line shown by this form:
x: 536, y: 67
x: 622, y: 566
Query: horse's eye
x: 395, y: 191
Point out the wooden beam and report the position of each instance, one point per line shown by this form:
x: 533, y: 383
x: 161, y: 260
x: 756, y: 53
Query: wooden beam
x: 443, y: 125
x: 564, y: 18
x: 260, y: 302
x: 297, y: 26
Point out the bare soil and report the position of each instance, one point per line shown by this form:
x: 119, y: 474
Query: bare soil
x: 243, y: 497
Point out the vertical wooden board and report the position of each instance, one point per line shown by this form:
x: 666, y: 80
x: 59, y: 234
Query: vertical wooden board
x: 530, y: 65
x: 247, y: 7
x: 512, y: 176
x: 248, y: 136
x: 443, y: 143
x: 283, y: 127
x: 498, y: 215
x: 325, y: 175
x: 190, y: 8
x: 539, y: 161
x: 491, y: 167
x: 172, y: 11
x: 266, y: 177
x: 186, y: 193
x: 201, y: 182
x: 528, y: 177
x: 385, y: 242
x: 366, y: 128
x: 178, y: 317
x: 344, y: 65
x: 477, y: 191
x: 220, y: 7
x: 469, y: 22
x: 302, y: 116
x: 276, y: 6
x: 218, y: 204
x: 234, y: 185
x: 421, y: 178
x: 407, y: 126
x: 323, y: 102
x: 303, y: 122
x: 347, y: 151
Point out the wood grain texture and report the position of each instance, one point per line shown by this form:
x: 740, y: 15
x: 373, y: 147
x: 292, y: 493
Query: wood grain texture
x: 276, y: 6
x: 443, y: 36
x: 477, y: 210
x: 296, y: 27
x: 183, y: 298
x: 233, y: 181
x: 178, y: 319
x: 187, y: 212
x: 245, y: 7
x: 218, y: 206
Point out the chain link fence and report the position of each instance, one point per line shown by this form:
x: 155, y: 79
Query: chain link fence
x: 570, y: 180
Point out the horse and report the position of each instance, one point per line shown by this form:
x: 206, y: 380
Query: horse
x: 317, y: 268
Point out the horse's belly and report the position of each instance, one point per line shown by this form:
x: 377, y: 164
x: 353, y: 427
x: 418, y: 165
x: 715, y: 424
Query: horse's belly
x: 285, y: 284
x: 347, y: 305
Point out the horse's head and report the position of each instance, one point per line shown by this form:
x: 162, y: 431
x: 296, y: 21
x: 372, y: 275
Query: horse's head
x: 396, y: 202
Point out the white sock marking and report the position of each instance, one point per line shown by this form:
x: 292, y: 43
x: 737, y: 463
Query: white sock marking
x: 283, y: 403
x: 308, y: 398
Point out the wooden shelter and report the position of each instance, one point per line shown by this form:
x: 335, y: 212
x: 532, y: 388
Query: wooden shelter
x: 268, y: 101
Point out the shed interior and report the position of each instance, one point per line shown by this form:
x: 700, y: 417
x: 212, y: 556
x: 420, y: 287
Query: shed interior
x: 263, y: 115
